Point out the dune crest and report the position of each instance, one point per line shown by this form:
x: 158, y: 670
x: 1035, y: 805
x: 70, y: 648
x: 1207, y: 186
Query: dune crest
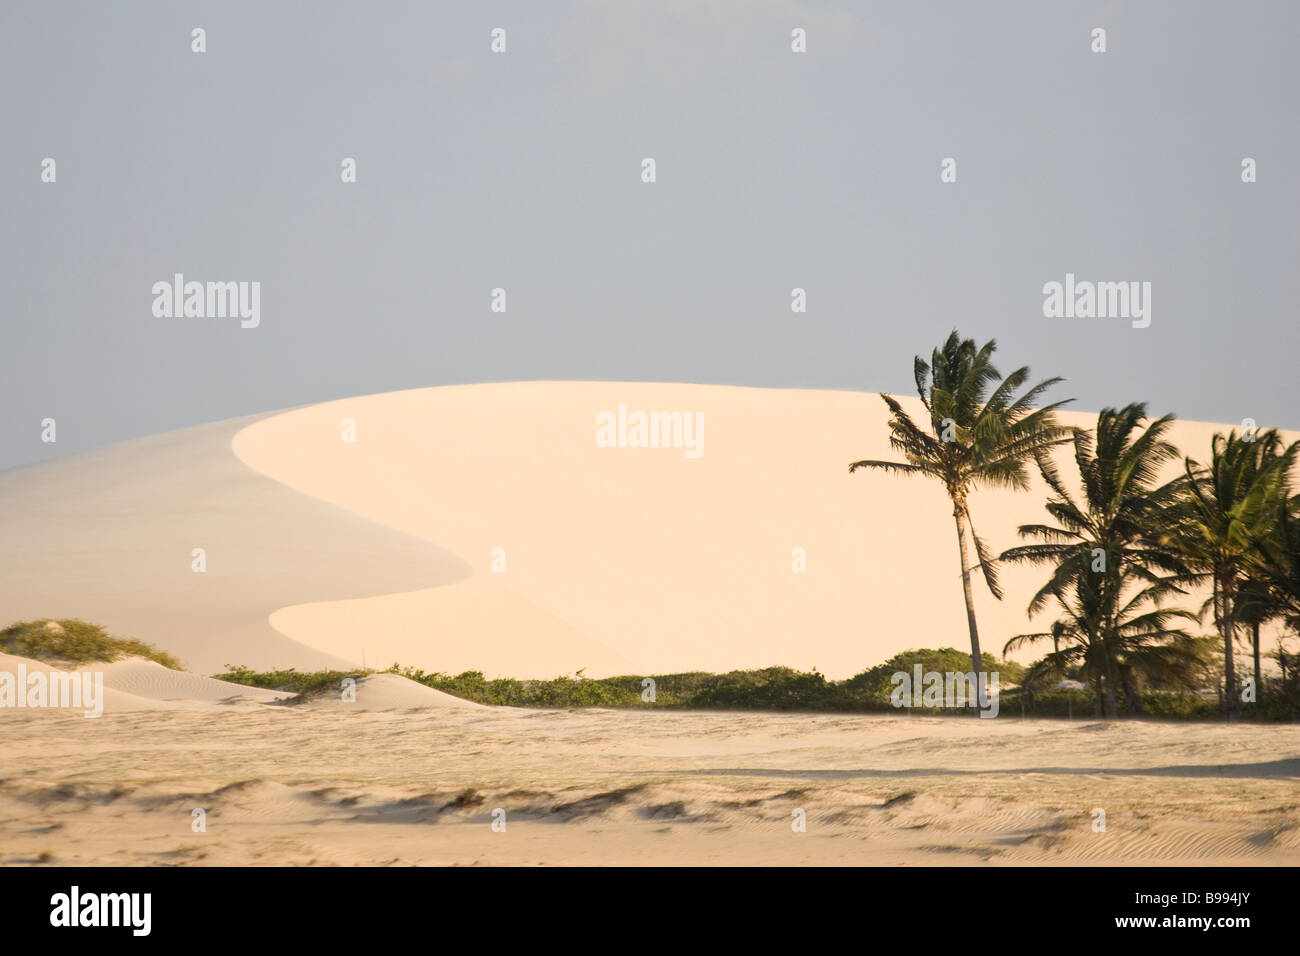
x: 109, y: 537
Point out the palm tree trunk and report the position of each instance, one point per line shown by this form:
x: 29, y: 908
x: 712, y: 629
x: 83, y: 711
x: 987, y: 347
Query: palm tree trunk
x: 1109, y: 709
x: 958, y: 513
x: 1231, y: 703
x: 1259, y: 685
x: 1131, y: 694
x: 1104, y: 689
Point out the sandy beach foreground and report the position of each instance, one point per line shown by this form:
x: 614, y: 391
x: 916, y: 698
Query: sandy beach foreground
x: 325, y: 784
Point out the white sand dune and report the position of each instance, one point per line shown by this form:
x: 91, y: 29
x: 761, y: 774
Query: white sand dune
x: 150, y: 679
x: 462, y: 623
x: 326, y: 553
x: 108, y: 537
x: 639, y: 560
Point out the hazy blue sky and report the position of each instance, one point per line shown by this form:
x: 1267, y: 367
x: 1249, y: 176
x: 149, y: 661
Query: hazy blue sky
x: 522, y: 170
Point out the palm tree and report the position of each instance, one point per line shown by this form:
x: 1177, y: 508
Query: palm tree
x: 1078, y: 628
x: 979, y: 434
x: 1228, y: 507
x: 1116, y: 633
x: 1271, y: 590
x: 1109, y: 533
x: 1276, y: 568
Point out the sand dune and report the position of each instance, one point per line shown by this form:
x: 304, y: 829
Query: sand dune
x: 389, y: 692
x: 115, y: 699
x: 482, y: 528
x: 150, y: 679
x: 636, y: 560
x: 108, y: 536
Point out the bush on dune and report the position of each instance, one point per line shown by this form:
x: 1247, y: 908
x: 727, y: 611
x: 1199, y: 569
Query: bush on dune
x: 876, y: 682
x: 76, y: 642
x: 291, y: 681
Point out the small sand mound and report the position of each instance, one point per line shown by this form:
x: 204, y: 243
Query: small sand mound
x: 113, y: 701
x: 150, y: 679
x: 390, y: 692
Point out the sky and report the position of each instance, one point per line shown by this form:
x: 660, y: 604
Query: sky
x: 522, y: 170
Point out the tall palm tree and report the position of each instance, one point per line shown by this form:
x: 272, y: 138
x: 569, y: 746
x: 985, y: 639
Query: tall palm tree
x: 979, y: 434
x: 1228, y: 507
x: 1109, y: 533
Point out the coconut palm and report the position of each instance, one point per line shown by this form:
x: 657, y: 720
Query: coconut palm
x: 979, y: 434
x: 1228, y: 508
x: 1109, y: 532
x: 1078, y: 629
x: 1271, y: 589
x: 1117, y: 633
x: 1276, y: 569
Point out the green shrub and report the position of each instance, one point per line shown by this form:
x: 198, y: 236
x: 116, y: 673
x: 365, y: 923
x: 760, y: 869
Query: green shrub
x: 873, y: 686
x: 76, y: 642
x: 774, y: 688
x: 291, y: 681
x: 1181, y: 706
